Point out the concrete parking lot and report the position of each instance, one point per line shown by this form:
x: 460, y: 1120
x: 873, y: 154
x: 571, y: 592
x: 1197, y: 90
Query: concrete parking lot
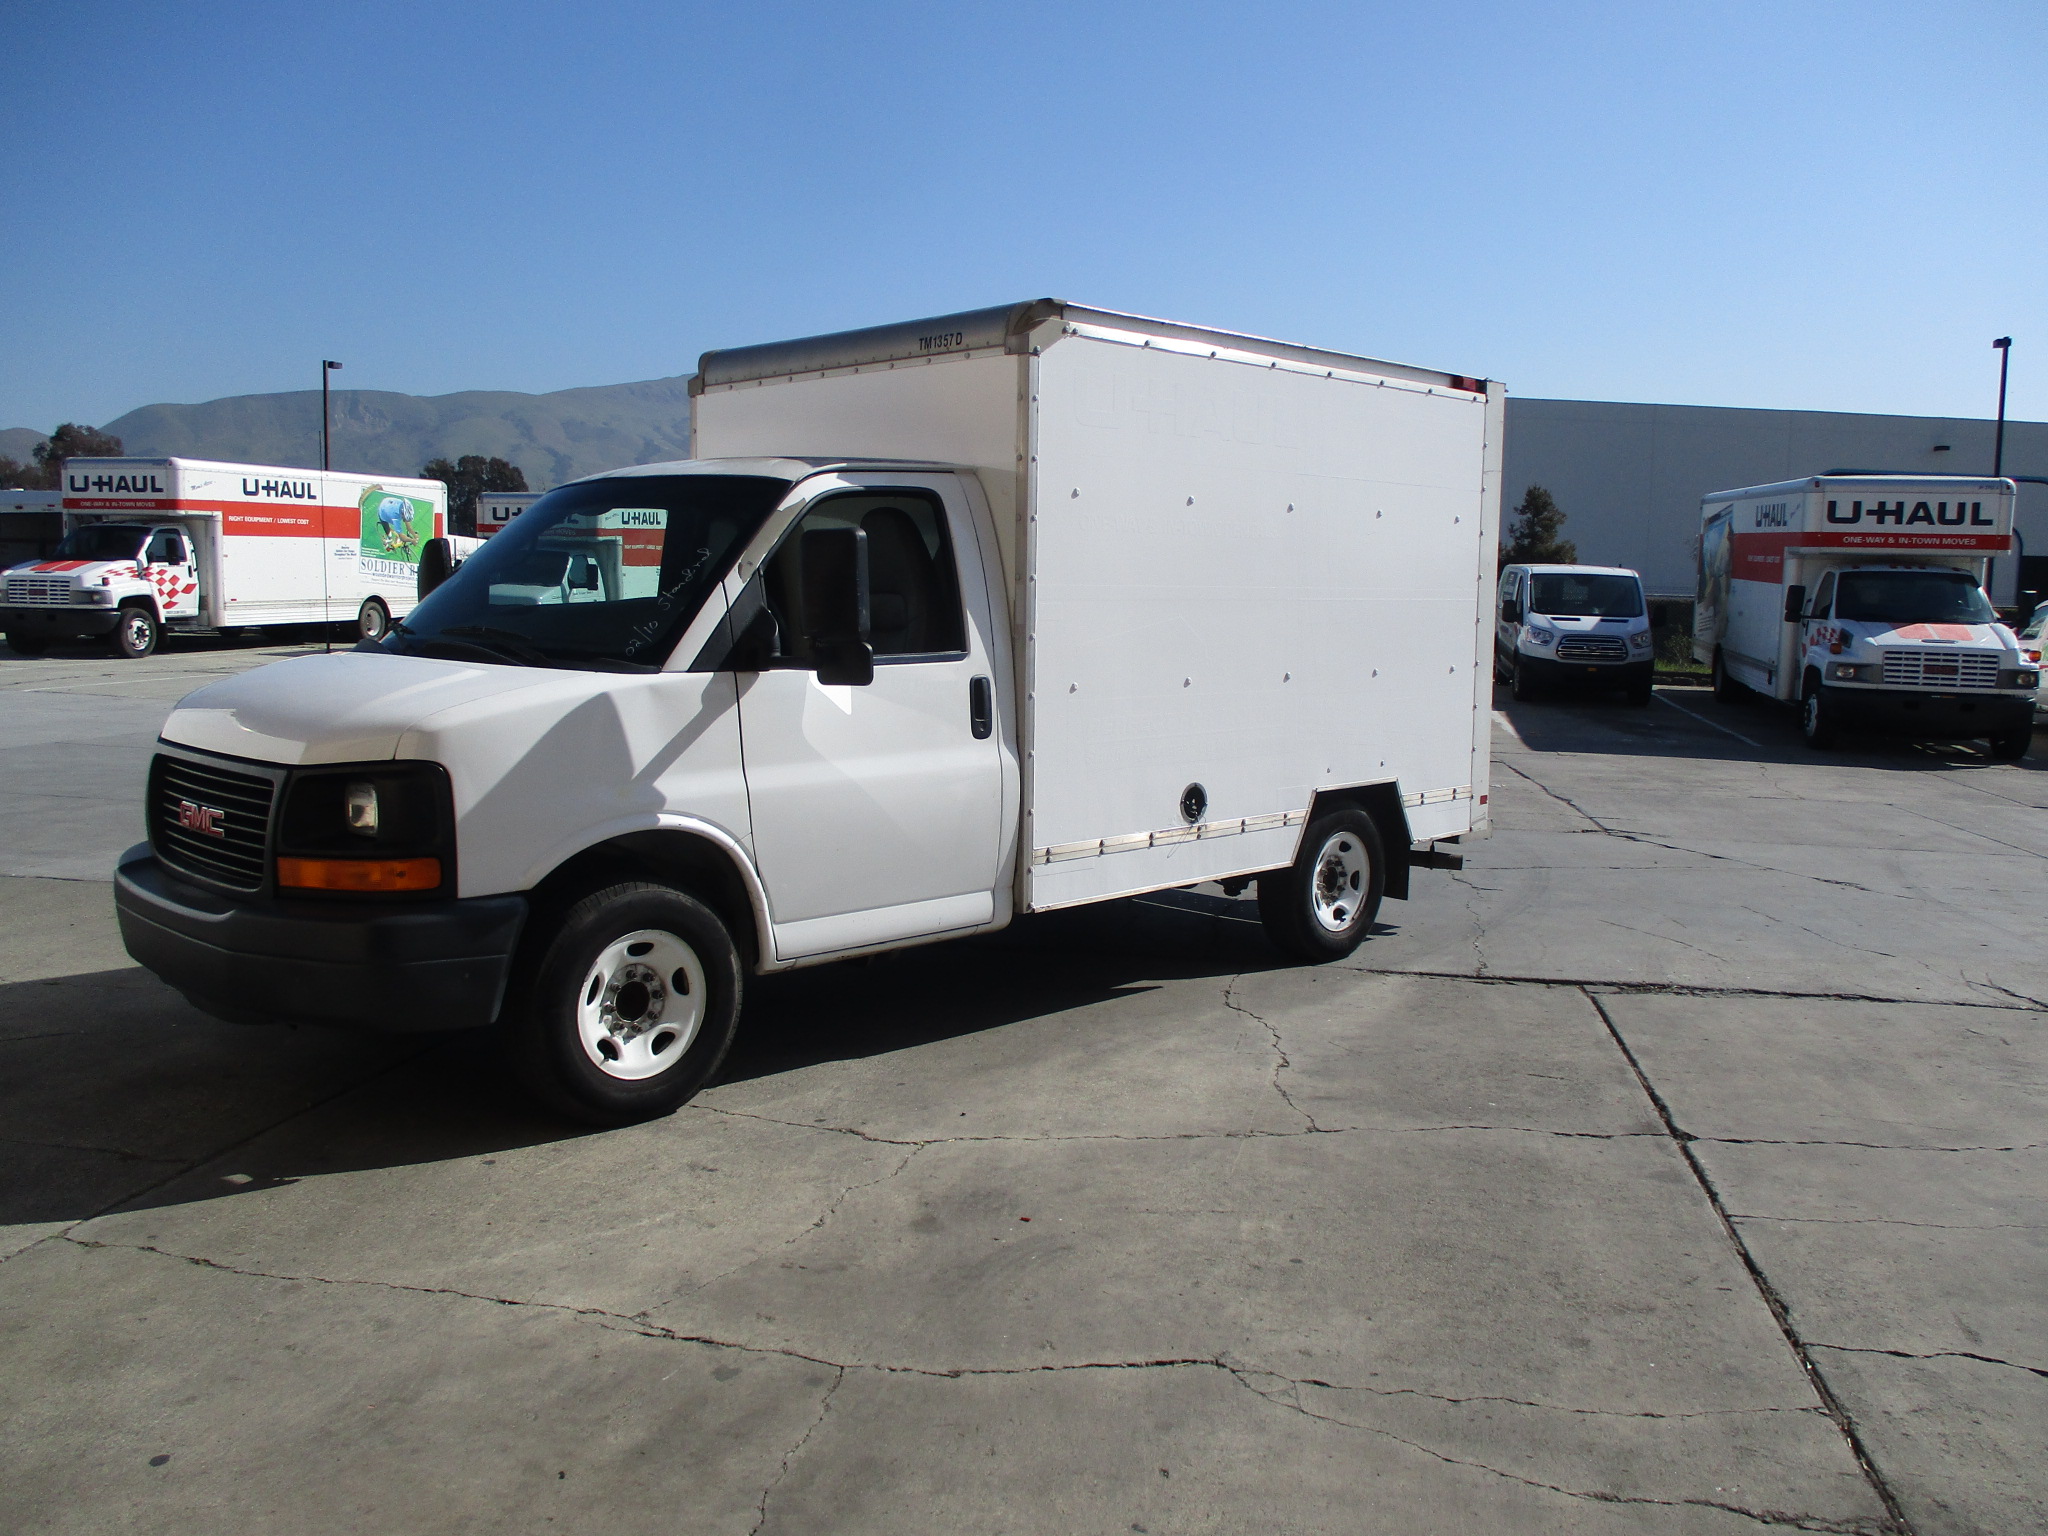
x: 1676, y: 1168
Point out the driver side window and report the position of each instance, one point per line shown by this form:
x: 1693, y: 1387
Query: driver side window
x: 165, y: 548
x: 1823, y: 597
x: 914, y: 589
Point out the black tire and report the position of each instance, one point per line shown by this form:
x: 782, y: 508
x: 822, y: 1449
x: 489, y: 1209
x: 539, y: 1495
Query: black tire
x: 1341, y: 874
x: 1816, y: 717
x: 2010, y: 746
x: 580, y: 986
x: 373, y: 619
x: 1521, y: 685
x: 1639, y: 695
x: 1726, y: 688
x: 26, y: 645
x: 135, y: 632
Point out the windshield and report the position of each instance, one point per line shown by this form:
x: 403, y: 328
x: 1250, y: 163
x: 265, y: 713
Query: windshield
x: 1912, y: 597
x: 604, y: 573
x: 102, y: 541
x: 1569, y: 594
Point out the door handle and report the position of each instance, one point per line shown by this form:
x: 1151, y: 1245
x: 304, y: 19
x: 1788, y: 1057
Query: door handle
x: 981, y: 708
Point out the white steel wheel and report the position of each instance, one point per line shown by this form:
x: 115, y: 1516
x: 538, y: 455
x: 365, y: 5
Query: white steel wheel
x: 641, y: 1005
x: 1343, y: 873
x: 373, y: 619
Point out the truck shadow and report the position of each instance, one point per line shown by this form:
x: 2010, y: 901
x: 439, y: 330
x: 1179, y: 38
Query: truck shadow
x: 117, y: 1094
x: 1691, y: 722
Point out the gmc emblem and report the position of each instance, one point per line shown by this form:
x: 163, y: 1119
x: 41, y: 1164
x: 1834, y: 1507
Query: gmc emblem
x: 201, y: 818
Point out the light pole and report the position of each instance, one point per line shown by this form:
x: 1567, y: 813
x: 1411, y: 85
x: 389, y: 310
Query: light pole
x: 328, y: 366
x: 2004, y: 346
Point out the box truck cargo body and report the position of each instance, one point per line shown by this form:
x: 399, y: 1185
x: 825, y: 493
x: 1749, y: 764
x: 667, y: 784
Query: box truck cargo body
x: 996, y: 613
x: 1861, y: 599
x: 185, y: 544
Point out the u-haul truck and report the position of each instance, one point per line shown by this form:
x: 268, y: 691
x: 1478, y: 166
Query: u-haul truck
x: 1861, y: 598
x: 183, y: 544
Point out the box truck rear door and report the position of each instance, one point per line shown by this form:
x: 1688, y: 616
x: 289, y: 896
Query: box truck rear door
x: 876, y: 809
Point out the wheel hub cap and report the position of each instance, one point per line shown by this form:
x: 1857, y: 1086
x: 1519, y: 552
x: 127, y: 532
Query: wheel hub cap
x: 1342, y: 871
x: 641, y: 1004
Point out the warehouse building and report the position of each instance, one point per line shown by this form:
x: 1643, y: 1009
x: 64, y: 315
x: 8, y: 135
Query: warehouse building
x: 1629, y: 478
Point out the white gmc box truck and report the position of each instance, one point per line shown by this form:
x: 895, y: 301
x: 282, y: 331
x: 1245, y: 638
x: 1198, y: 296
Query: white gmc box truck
x: 988, y: 614
x: 1861, y: 598
x: 184, y: 544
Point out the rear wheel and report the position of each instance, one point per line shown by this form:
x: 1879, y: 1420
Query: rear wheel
x: 1320, y: 907
x: 135, y: 633
x: 373, y: 619
x: 2011, y: 746
x: 628, y: 1006
x: 26, y: 645
x: 1817, y: 717
x: 1726, y: 689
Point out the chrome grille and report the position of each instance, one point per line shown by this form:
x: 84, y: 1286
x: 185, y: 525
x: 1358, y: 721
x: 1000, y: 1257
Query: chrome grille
x: 1591, y: 648
x: 39, y: 589
x: 238, y: 858
x: 1942, y: 669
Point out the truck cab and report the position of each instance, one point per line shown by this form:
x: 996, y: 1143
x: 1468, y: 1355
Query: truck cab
x: 120, y: 581
x: 1912, y: 647
x: 1583, y: 625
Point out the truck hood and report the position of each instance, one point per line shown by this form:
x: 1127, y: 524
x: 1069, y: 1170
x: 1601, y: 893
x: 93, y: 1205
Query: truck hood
x: 350, y: 707
x: 80, y: 572
x: 1994, y: 636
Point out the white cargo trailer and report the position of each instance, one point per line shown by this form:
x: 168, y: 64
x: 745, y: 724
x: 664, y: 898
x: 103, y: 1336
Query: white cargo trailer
x: 1000, y: 612
x: 187, y: 544
x: 1861, y: 599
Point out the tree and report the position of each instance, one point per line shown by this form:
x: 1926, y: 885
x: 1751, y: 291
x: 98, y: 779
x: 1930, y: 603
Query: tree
x: 467, y: 478
x: 69, y: 441
x: 1533, y: 539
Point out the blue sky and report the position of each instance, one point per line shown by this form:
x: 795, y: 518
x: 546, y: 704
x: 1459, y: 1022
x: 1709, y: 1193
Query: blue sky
x: 1820, y: 206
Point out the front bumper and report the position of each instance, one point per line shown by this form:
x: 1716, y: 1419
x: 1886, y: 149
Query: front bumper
x: 1599, y: 674
x: 1931, y: 715
x: 59, y: 623
x: 369, y: 965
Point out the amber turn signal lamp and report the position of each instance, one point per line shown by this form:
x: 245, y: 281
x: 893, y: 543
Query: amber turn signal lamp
x: 359, y: 874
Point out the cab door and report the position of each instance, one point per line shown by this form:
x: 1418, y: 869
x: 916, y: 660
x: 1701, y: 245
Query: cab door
x: 169, y: 566
x: 877, y: 809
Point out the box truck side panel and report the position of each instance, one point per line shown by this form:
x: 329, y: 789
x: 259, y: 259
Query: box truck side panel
x: 960, y: 408
x: 1253, y: 579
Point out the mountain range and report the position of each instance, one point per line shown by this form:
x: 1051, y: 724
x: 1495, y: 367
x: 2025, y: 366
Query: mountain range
x: 552, y: 437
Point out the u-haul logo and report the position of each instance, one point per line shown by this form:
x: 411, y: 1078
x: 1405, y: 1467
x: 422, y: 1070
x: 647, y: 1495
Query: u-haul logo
x: 201, y: 818
x: 1777, y: 514
x: 256, y: 488
x: 127, y: 483
x: 1944, y: 514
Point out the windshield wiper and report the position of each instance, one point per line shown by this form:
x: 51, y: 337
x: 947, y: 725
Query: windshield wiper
x: 505, y: 642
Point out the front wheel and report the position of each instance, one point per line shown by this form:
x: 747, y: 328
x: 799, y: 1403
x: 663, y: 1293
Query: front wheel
x: 1816, y: 717
x: 2011, y: 746
x: 373, y: 619
x: 1521, y: 686
x: 1320, y: 906
x: 629, y: 1007
x: 135, y: 634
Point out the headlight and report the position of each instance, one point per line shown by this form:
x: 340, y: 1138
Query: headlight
x: 1851, y: 672
x: 1642, y: 640
x: 383, y: 828
x: 93, y: 597
x: 1541, y: 636
x: 2019, y: 677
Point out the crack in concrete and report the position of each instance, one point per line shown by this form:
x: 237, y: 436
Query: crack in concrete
x: 1870, y: 1146
x: 1781, y: 1313
x: 1937, y: 1354
x: 1243, y: 1376
x: 790, y: 1456
x: 1784, y: 1519
x: 1890, y: 1221
x: 83, y: 1146
x: 1625, y: 988
x: 1281, y: 1063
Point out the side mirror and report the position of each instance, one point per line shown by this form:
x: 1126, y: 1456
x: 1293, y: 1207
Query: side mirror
x: 1795, y: 604
x: 1511, y: 611
x: 835, y: 596
x: 437, y: 564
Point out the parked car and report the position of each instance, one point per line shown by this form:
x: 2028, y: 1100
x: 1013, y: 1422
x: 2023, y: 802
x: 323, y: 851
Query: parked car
x: 1582, y: 624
